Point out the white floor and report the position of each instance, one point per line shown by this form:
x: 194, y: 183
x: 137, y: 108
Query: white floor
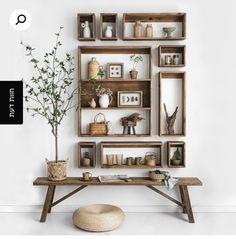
x: 134, y: 224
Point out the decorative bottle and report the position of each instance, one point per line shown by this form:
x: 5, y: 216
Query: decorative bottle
x: 138, y: 29
x: 86, y: 29
x: 149, y: 31
x: 108, y: 32
x: 93, y: 69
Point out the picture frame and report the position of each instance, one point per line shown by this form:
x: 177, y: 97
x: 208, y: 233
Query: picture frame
x: 115, y: 70
x: 130, y: 99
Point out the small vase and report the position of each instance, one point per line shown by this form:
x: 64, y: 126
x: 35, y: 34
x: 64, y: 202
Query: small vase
x: 138, y: 29
x: 105, y: 101
x: 86, y: 29
x: 108, y: 32
x: 93, y: 103
x: 93, y: 69
x: 133, y: 74
x: 149, y: 31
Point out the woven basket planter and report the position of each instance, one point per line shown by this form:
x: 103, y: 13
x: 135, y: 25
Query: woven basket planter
x: 157, y: 177
x: 57, y: 171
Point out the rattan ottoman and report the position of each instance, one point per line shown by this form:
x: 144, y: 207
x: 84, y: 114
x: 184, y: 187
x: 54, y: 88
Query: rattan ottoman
x: 98, y: 217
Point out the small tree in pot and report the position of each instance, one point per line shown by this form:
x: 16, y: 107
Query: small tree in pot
x: 51, y: 94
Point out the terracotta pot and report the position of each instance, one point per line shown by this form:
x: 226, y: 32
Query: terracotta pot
x: 133, y: 74
x: 57, y: 171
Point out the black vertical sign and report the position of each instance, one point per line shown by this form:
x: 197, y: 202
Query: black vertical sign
x: 11, y: 102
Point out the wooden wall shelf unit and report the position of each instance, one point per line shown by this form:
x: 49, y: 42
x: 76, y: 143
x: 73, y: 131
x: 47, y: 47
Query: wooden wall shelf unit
x: 91, y: 18
x: 165, y: 76
x: 161, y: 19
x: 109, y: 19
x: 171, y: 147
x: 149, y: 146
x: 171, y: 50
x: 87, y: 147
x: 144, y: 85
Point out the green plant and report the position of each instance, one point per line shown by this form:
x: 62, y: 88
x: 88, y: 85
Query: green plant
x: 50, y: 91
x: 135, y: 59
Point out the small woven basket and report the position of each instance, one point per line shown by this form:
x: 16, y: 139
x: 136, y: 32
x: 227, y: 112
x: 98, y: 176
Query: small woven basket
x: 57, y: 170
x: 150, y: 159
x: 157, y: 177
x: 98, y: 128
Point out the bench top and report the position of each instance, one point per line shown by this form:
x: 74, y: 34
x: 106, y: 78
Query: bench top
x: 43, y: 181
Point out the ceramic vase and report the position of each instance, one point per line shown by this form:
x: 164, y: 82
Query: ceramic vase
x: 86, y: 29
x: 93, y: 103
x: 138, y: 29
x: 105, y: 100
x: 149, y: 31
x: 108, y: 32
x: 93, y: 69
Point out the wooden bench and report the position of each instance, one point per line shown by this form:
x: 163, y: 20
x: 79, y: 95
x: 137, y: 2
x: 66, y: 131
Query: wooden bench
x: 182, y: 184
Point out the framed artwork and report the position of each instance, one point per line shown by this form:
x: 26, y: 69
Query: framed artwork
x: 115, y: 71
x: 130, y: 99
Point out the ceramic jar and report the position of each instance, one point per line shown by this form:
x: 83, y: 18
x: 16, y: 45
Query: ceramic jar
x: 108, y: 31
x: 149, y: 31
x: 168, y: 60
x: 86, y: 160
x: 176, y: 59
x: 86, y: 29
x: 105, y: 100
x: 110, y: 159
x: 93, y: 69
x: 138, y: 29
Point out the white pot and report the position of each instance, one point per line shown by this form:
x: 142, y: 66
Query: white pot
x: 108, y: 32
x: 105, y: 100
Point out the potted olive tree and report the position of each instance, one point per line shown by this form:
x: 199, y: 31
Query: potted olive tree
x: 50, y: 94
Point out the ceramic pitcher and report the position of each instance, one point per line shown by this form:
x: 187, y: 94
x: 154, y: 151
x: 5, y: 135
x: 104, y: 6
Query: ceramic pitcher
x: 105, y: 100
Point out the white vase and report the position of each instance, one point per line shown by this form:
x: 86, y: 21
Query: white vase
x: 86, y: 31
x: 105, y: 100
x: 108, y: 32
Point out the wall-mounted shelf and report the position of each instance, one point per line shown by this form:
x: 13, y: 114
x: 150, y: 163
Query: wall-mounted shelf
x: 171, y: 50
x: 108, y: 19
x: 90, y: 148
x: 90, y: 17
x: 176, y: 149
x: 143, y: 84
x: 158, y: 20
x: 114, y: 148
x: 172, y: 93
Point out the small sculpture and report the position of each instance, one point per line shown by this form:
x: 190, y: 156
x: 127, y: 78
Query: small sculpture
x: 130, y: 122
x: 170, y: 120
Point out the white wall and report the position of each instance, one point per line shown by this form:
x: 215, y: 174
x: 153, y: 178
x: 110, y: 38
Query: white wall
x: 211, y: 95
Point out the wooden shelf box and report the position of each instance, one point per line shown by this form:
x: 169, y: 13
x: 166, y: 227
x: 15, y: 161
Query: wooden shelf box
x: 171, y: 50
x: 173, y: 148
x: 91, y: 18
x: 137, y: 149
x: 89, y: 147
x: 172, y: 93
x: 108, y: 19
x: 104, y: 55
x: 158, y: 21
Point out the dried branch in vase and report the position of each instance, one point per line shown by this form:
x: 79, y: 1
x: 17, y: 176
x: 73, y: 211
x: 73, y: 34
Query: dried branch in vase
x: 170, y: 120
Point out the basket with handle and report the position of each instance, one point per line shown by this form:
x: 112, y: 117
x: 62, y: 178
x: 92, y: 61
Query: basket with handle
x: 150, y: 158
x: 99, y: 128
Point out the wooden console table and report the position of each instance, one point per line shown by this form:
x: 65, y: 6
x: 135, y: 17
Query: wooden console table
x: 182, y: 184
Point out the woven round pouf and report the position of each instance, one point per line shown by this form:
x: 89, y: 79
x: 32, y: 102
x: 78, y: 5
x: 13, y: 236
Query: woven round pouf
x: 98, y: 217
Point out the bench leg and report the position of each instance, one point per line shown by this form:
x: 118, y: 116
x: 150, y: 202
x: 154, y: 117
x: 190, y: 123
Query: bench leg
x: 187, y: 203
x: 182, y: 198
x: 47, y: 203
x: 53, y: 193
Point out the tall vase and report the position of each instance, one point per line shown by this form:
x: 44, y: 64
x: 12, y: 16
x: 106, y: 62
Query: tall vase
x: 86, y: 31
x: 138, y: 29
x: 108, y: 32
x: 105, y: 100
x: 93, y: 69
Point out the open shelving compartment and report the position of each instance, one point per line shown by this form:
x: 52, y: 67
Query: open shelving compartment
x: 86, y: 147
x: 120, y: 148
x: 158, y: 21
x: 171, y: 50
x: 91, y: 18
x: 113, y: 113
x: 109, y: 19
x: 172, y: 93
x: 176, y: 154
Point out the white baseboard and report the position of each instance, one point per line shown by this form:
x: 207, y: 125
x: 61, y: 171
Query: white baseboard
x: 127, y: 208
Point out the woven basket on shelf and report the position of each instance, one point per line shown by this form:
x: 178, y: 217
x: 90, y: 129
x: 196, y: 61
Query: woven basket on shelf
x: 57, y: 170
x: 150, y: 158
x: 157, y: 177
x: 98, y: 128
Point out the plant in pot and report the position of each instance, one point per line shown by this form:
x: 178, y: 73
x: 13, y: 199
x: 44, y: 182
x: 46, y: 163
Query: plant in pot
x: 50, y: 94
x: 135, y: 60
